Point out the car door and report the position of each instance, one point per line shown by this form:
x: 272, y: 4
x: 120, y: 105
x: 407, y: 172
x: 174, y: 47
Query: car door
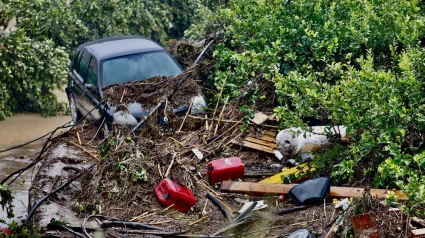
x: 91, y: 89
x: 76, y: 82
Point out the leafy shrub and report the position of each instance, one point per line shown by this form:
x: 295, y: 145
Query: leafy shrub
x: 29, y: 71
x: 354, y: 63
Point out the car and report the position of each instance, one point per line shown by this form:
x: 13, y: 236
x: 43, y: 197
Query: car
x: 115, y: 60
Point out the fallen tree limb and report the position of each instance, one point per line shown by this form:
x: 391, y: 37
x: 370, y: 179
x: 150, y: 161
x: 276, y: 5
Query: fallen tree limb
x: 263, y: 189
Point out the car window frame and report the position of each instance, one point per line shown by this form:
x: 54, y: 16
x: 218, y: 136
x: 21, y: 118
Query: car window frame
x: 81, y: 77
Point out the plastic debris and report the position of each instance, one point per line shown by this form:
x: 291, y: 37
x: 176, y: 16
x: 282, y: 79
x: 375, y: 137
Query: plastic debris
x: 198, y: 153
x: 260, y: 205
x: 173, y: 194
x: 225, y: 169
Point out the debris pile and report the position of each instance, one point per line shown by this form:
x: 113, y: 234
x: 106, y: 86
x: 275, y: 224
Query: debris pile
x: 152, y: 91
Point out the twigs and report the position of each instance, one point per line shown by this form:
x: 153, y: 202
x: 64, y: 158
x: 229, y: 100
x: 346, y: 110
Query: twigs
x: 216, y: 105
x: 199, y: 220
x: 221, y: 115
x: 85, y: 150
x: 184, y: 119
x: 171, y: 165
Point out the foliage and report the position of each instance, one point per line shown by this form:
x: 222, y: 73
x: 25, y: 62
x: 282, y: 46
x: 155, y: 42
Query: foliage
x: 355, y: 63
x: 29, y: 71
x: 6, y: 200
x: 24, y: 231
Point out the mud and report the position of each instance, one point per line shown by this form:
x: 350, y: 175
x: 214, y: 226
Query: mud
x: 62, y: 163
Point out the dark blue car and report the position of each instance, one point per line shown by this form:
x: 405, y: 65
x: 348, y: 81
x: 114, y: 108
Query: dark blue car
x: 98, y: 64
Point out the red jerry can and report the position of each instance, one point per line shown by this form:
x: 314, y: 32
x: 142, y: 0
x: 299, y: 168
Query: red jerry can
x: 170, y: 192
x: 225, y: 169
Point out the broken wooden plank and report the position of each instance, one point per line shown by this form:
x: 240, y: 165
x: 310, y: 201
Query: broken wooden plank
x: 261, y: 142
x: 263, y: 189
x: 255, y: 146
x: 269, y: 133
x: 418, y: 233
x: 266, y: 138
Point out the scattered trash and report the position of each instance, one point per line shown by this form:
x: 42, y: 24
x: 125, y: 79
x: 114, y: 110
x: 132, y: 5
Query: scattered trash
x: 260, y: 205
x: 260, y: 118
x: 240, y: 200
x: 225, y: 169
x: 344, y: 203
x: 310, y: 191
x: 300, y: 234
x: 170, y: 192
x: 281, y: 198
x: 198, y: 153
x: 278, y: 155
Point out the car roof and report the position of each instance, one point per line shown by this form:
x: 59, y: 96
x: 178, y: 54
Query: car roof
x: 118, y: 46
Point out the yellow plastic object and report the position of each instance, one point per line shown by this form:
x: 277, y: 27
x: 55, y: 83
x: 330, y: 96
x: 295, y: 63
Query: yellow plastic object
x: 277, y: 178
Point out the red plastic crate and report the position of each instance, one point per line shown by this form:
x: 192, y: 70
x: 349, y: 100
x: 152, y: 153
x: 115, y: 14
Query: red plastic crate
x: 170, y: 192
x: 224, y: 169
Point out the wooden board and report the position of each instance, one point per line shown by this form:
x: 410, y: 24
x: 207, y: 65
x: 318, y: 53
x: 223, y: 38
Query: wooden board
x: 418, y: 233
x: 269, y: 133
x: 261, y: 142
x: 264, y: 189
x: 255, y: 146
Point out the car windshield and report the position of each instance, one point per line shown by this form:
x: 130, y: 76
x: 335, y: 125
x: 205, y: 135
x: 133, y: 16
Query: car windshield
x: 138, y: 67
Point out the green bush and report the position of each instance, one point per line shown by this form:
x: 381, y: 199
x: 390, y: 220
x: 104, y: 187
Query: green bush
x: 29, y: 72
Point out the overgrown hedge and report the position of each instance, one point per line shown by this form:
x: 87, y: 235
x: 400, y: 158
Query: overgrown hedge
x: 355, y: 63
x: 29, y: 72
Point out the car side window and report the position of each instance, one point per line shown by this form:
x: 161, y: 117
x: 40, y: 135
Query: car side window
x: 82, y: 67
x: 92, y: 72
x: 76, y: 59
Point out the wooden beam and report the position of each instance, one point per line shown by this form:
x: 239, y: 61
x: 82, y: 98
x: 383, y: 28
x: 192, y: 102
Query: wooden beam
x: 265, y: 138
x: 255, y: 146
x: 263, y: 189
x: 418, y: 233
x: 261, y: 142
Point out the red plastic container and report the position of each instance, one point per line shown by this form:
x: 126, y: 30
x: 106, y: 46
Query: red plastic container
x: 170, y: 192
x: 224, y: 169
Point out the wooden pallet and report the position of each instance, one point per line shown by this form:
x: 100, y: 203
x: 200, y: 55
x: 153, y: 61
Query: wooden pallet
x: 265, y: 142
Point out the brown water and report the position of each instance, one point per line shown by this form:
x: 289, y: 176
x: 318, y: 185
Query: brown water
x: 16, y: 130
